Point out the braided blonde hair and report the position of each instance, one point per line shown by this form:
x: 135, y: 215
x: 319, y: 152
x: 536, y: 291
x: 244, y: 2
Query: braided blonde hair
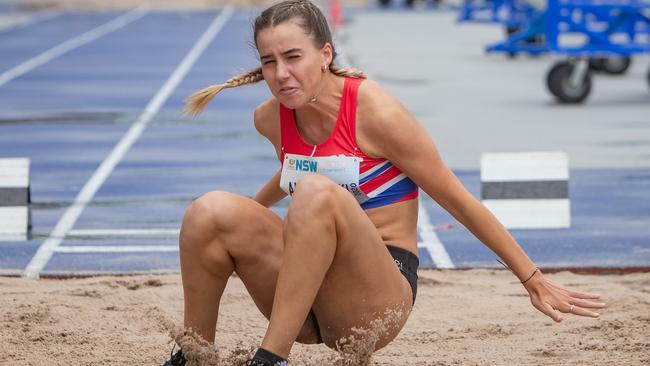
x: 347, y: 72
x: 197, y: 102
x: 306, y: 15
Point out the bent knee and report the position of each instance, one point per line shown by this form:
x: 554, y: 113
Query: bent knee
x: 207, y: 215
x: 314, y: 182
x: 215, y: 207
x: 229, y: 221
x: 316, y: 189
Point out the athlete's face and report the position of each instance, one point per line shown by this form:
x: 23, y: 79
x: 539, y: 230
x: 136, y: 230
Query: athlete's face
x: 291, y: 64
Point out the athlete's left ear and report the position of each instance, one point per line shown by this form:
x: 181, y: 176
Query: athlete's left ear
x: 326, y: 54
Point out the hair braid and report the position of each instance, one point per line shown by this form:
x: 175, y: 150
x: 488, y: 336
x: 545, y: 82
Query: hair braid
x: 347, y: 71
x: 196, y: 102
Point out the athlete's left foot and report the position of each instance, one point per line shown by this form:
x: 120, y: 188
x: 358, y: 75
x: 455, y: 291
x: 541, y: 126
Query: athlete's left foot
x: 265, y: 358
x: 259, y: 362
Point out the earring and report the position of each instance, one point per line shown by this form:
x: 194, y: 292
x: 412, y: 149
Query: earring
x: 324, y: 68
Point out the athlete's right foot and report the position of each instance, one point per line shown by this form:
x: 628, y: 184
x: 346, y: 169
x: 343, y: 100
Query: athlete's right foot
x: 176, y: 359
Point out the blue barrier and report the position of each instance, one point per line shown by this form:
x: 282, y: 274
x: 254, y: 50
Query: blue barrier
x: 612, y: 28
x: 596, y: 35
x: 524, y: 23
x: 604, y: 29
x: 597, y: 20
x: 506, y: 12
x: 529, y: 37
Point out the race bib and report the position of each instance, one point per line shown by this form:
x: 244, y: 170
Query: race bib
x: 343, y: 170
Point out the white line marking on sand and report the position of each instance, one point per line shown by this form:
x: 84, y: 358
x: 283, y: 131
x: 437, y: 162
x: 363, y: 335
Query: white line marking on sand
x: 67, y: 221
x: 71, y: 44
x: 117, y: 249
x: 431, y: 242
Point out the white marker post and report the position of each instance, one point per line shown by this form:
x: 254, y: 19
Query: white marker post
x: 527, y: 190
x: 15, y: 218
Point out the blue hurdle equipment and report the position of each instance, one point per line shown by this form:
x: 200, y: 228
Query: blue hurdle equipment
x: 610, y: 28
x: 528, y: 38
x: 506, y: 12
x: 523, y: 20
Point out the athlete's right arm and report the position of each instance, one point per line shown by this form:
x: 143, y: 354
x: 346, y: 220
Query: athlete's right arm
x: 267, y: 123
x: 271, y: 193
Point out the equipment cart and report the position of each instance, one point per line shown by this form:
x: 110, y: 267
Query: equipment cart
x: 523, y: 21
x: 587, y: 32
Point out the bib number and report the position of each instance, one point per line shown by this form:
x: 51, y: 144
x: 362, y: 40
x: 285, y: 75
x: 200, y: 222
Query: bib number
x: 343, y: 170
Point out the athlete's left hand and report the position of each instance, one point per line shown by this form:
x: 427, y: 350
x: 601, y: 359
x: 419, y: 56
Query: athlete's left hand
x: 553, y: 300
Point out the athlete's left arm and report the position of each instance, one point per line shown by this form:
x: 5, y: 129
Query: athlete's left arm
x: 386, y: 129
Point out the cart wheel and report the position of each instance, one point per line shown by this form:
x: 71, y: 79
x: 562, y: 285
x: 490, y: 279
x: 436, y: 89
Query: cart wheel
x: 384, y: 3
x: 616, y: 65
x: 557, y: 81
x: 612, y: 65
x: 597, y: 64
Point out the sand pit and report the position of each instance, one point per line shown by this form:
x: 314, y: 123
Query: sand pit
x: 475, y: 317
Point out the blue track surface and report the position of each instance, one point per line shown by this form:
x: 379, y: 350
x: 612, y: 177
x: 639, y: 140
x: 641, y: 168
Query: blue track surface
x: 68, y: 114
x: 609, y: 211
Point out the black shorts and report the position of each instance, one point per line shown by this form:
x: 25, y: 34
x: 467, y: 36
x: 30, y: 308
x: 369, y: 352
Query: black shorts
x: 407, y: 263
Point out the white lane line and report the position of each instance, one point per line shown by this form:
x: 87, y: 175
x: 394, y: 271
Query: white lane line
x: 124, y: 232
x: 117, y: 249
x: 431, y: 242
x: 67, y: 221
x: 71, y: 44
x: 38, y: 18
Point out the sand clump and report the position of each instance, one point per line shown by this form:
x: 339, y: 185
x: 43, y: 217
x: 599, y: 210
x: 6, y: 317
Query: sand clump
x: 196, y: 350
x: 475, y: 317
x: 356, y: 349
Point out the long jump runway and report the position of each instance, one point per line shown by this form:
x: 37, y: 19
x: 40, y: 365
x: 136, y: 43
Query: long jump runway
x: 95, y: 100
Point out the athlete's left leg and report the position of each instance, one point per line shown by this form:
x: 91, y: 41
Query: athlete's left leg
x: 335, y: 262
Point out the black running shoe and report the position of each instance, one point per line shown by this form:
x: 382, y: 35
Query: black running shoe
x: 259, y: 362
x: 256, y: 362
x: 176, y: 359
x: 266, y: 358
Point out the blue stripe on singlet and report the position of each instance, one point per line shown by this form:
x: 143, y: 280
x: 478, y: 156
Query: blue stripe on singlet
x: 375, y: 173
x: 392, y: 194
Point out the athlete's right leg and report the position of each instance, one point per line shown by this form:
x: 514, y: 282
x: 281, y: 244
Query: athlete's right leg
x: 224, y: 233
